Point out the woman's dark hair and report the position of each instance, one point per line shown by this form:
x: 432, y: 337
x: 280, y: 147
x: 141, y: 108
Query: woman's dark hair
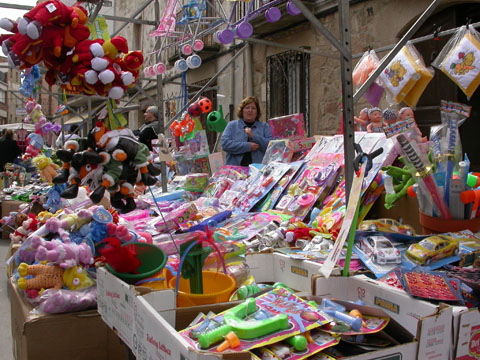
x: 9, y: 134
x: 245, y: 102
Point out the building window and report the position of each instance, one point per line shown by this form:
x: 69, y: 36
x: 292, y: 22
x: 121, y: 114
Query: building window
x: 2, y: 96
x: 288, y: 85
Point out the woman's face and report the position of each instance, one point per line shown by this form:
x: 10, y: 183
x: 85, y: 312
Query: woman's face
x: 250, y: 112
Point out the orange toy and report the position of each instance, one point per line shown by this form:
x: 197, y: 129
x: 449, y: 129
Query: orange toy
x: 45, y: 277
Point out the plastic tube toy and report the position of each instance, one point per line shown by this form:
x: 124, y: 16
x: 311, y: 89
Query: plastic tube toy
x: 251, y: 329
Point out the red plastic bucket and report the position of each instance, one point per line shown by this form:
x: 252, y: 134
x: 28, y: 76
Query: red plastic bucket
x: 433, y: 225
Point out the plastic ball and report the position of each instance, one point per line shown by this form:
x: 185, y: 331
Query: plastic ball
x: 205, y: 105
x: 195, y: 110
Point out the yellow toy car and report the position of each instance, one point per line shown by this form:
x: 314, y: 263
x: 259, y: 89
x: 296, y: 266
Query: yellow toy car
x: 386, y: 225
x: 432, y: 248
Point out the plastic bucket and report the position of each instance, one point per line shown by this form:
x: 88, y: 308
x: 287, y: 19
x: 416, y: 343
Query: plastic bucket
x: 433, y: 225
x: 217, y: 288
x: 152, y: 260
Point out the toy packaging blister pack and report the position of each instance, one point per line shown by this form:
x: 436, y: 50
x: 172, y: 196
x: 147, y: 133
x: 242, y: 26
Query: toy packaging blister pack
x: 267, y: 319
x: 282, y: 184
x: 293, y: 350
x: 309, y: 185
x: 257, y: 186
x: 287, y: 127
x: 279, y: 151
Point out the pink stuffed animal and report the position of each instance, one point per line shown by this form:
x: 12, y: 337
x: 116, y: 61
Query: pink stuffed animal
x: 61, y: 301
x: 119, y: 231
x: 66, y: 255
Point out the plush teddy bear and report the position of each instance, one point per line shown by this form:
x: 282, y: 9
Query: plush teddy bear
x: 63, y: 254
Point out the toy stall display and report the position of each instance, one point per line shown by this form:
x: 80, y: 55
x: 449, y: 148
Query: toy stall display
x: 292, y: 127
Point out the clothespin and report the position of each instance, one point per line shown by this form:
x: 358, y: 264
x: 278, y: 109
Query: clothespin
x: 361, y: 157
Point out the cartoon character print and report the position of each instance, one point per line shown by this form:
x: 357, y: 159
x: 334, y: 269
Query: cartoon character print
x: 396, y: 73
x: 465, y: 64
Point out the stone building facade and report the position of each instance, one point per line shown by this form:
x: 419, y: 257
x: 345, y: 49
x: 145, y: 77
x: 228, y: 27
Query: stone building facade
x: 373, y: 23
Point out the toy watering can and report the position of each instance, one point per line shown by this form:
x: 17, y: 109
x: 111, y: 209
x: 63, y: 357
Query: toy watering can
x: 215, y: 120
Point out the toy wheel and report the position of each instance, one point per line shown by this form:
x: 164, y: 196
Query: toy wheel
x: 373, y: 227
x: 456, y: 252
x: 409, y: 233
x: 428, y: 261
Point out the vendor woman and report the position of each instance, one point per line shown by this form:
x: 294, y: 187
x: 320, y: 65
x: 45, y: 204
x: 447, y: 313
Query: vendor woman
x: 245, y: 140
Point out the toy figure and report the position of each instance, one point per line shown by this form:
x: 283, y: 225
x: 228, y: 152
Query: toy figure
x: 52, y: 276
x: 376, y: 120
x: 390, y: 116
x: 47, y: 168
x: 62, y: 254
x: 361, y: 122
x: 51, y: 12
x: 407, y: 113
x: 26, y: 225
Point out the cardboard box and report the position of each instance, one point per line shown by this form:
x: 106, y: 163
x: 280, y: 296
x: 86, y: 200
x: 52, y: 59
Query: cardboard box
x: 430, y: 323
x: 116, y: 304
x: 467, y: 329
x: 277, y: 267
x: 80, y: 335
x: 156, y: 338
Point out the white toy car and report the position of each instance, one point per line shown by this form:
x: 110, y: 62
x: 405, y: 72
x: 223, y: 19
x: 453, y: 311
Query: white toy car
x: 380, y: 250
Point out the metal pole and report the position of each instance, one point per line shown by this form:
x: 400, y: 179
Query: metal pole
x: 318, y: 25
x: 161, y: 120
x: 347, y: 93
x: 139, y: 10
x: 386, y: 60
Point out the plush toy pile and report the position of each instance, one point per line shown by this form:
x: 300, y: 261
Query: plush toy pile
x: 56, y: 34
x: 110, y: 160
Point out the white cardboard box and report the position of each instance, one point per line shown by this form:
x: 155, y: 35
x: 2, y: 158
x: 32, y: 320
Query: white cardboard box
x: 467, y: 325
x: 116, y: 304
x: 157, y: 339
x: 433, y: 325
x: 277, y: 267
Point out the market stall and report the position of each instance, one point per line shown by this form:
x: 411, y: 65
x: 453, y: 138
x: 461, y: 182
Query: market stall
x: 274, y: 260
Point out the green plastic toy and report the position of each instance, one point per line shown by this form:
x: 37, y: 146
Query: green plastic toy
x: 244, y: 329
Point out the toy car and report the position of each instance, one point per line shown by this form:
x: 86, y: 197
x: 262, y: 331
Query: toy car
x: 380, y: 250
x: 387, y: 225
x: 432, y: 248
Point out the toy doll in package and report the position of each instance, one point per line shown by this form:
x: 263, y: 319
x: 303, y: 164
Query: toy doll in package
x: 257, y: 322
x: 366, y: 66
x: 460, y: 59
x: 278, y: 150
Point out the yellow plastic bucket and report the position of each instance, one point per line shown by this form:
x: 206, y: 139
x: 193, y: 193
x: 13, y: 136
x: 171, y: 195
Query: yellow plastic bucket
x: 217, y: 288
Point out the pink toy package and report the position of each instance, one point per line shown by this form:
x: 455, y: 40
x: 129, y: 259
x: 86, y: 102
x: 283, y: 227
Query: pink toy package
x: 176, y: 217
x: 288, y: 126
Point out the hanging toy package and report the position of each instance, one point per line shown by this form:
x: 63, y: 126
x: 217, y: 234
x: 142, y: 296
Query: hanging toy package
x: 460, y: 59
x: 366, y: 66
x: 406, y: 77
